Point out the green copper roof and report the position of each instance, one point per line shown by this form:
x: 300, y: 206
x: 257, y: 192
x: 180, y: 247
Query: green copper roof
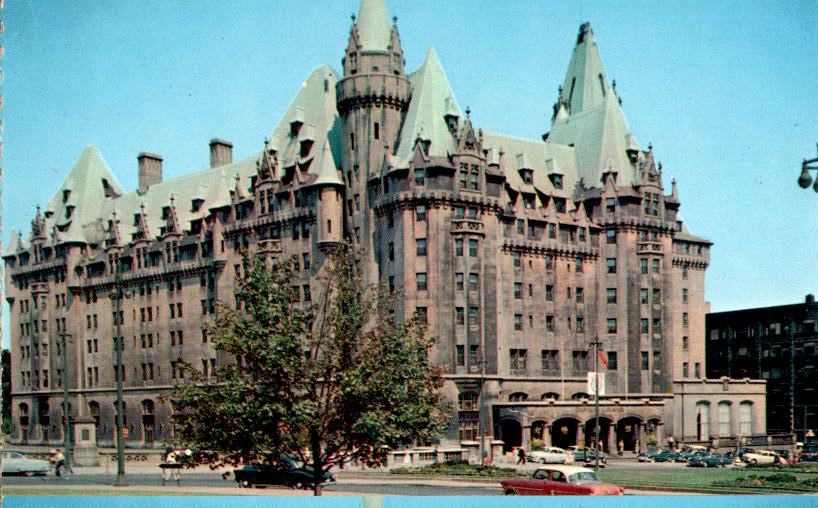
x: 82, y: 196
x: 432, y: 100
x: 373, y: 26
x: 591, y: 119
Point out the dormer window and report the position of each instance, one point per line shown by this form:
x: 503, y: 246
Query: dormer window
x: 528, y: 176
x: 306, y: 145
x: 528, y: 201
x: 556, y: 180
x: 196, y: 204
x: 65, y: 195
x: 69, y: 210
x: 559, y: 205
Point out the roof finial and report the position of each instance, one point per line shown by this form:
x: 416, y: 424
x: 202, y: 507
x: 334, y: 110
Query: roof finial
x: 650, y: 147
x: 394, y: 20
x: 353, y: 17
x: 468, y: 111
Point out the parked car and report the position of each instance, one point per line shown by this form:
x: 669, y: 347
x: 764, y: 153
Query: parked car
x: 761, y: 457
x: 19, y: 463
x: 809, y: 454
x: 663, y: 455
x: 689, y: 452
x: 279, y: 470
x: 550, y: 455
x: 560, y: 480
x: 709, y: 460
x: 588, y: 457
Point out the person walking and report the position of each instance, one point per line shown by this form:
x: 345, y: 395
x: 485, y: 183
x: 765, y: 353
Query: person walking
x: 520, y: 456
x: 58, y: 460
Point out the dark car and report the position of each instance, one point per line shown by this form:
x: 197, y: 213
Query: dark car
x: 279, y: 470
x: 588, y: 457
x: 809, y: 454
x: 664, y: 456
x: 709, y: 460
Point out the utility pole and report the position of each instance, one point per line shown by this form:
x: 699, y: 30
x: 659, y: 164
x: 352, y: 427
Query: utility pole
x: 117, y: 295
x: 596, y: 343
x: 65, y: 412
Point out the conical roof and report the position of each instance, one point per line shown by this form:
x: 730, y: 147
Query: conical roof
x: 374, y: 32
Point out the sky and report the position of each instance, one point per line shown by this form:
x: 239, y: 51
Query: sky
x: 724, y: 91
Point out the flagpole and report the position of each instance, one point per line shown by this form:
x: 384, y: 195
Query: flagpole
x: 596, y: 404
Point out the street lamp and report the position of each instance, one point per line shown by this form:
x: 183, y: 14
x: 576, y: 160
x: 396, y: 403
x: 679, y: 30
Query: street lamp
x: 806, y: 179
x: 65, y: 412
x: 596, y: 345
x: 116, y: 295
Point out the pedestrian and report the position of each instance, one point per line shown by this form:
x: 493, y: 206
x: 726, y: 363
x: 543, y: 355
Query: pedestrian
x: 636, y: 447
x: 520, y: 456
x: 58, y: 460
x: 486, y: 459
x: 621, y: 447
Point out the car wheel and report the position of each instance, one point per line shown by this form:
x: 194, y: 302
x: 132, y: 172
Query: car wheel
x: 510, y: 492
x: 246, y: 484
x: 298, y: 485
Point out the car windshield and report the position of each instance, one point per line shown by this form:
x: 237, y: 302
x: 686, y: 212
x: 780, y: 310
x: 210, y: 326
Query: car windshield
x: 583, y: 476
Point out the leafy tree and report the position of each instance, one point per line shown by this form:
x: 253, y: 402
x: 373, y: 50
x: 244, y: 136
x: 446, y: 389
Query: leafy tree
x: 5, y: 365
x: 325, y: 381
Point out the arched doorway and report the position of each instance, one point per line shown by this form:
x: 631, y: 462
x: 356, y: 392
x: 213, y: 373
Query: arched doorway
x: 627, y: 432
x: 564, y: 432
x: 511, y: 432
x: 43, y: 419
x: 148, y: 420
x: 605, y: 425
x: 24, y: 421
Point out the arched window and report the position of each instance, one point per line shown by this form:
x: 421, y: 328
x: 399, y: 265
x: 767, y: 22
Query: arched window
x: 517, y: 397
x: 745, y: 419
x: 580, y: 396
x: 550, y: 395
x: 724, y: 419
x: 702, y: 421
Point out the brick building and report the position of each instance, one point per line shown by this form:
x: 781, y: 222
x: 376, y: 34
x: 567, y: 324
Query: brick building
x: 518, y: 252
x: 777, y: 344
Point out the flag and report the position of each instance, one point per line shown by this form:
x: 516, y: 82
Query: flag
x: 602, y: 359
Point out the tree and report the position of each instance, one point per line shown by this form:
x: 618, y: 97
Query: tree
x: 5, y: 366
x: 323, y: 381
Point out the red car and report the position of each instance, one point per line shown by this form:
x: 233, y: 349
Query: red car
x: 561, y: 481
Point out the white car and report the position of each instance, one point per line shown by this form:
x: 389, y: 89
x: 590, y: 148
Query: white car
x: 762, y: 457
x: 20, y: 463
x: 550, y: 455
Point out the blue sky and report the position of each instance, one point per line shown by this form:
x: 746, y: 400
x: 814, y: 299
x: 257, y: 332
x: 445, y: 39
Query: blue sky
x: 725, y: 91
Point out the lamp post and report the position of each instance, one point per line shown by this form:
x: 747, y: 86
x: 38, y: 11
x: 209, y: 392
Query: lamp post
x: 117, y: 295
x: 65, y: 412
x: 596, y: 344
x: 806, y: 179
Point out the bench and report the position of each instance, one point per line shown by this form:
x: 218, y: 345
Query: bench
x: 173, y: 468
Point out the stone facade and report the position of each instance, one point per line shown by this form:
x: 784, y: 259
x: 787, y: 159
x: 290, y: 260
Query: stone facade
x: 519, y: 253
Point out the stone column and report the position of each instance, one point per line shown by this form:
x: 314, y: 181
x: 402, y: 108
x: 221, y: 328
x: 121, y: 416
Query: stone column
x: 609, y: 439
x: 580, y: 439
x: 546, y: 435
x: 526, y: 441
x: 641, y: 437
x: 660, y: 434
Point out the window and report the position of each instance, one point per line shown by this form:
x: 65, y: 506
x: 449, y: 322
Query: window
x: 645, y: 325
x: 549, y: 262
x: 611, y: 295
x: 474, y: 315
x: 612, y: 365
x: 684, y: 295
x: 698, y: 370
x: 420, y: 246
x: 458, y: 281
x: 518, y: 321
x: 376, y: 133
x: 745, y: 419
x: 474, y: 354
x: 519, y: 361
x: 580, y: 324
x: 472, y: 247
x: 473, y: 212
x: 549, y: 293
x: 468, y: 430
x: 684, y: 272
x: 391, y: 251
x: 611, y: 264
x: 724, y: 419
x: 684, y: 320
x: 643, y: 296
x: 656, y: 265
x: 551, y: 362
x: 552, y: 231
x: 684, y: 343
x: 518, y: 291
x: 580, y: 268
x: 460, y: 316
x: 643, y: 265
x: 579, y: 362
x: 420, y: 176
x: 549, y: 323
x: 702, y: 421
x: 610, y: 205
x: 685, y: 370
x: 610, y: 236
x: 421, y: 281
x: 517, y: 260
x: 461, y: 355
x: 422, y: 314
x: 657, y: 296
x: 420, y: 213
x: 645, y: 361
x: 458, y: 247
x: 580, y: 294
x: 582, y: 234
x: 474, y: 282
x: 611, y: 325
x: 306, y: 257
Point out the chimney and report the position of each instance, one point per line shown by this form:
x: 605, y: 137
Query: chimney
x: 150, y: 170
x: 221, y: 152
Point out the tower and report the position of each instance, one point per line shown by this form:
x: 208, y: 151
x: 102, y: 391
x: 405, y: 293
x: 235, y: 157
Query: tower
x: 372, y: 99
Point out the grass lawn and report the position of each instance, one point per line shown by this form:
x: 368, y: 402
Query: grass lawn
x: 710, y: 479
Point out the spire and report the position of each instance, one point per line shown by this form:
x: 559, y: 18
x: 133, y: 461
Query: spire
x: 374, y: 30
x: 585, y: 85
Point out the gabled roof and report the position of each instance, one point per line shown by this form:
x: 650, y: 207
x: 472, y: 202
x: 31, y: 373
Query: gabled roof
x: 590, y: 117
x: 82, y: 196
x: 314, y: 108
x: 432, y: 100
x: 374, y: 32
